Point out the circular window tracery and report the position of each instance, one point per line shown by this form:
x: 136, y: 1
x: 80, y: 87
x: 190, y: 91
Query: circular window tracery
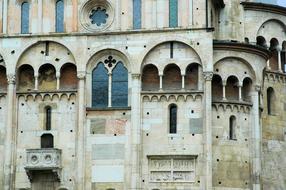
x: 96, y: 15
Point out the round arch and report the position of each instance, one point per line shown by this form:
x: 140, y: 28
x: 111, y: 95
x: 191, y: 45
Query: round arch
x: 252, y: 73
x: 156, y: 43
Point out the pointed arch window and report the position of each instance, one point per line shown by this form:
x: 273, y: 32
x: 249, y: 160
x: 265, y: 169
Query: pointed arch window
x: 25, y: 14
x: 60, y: 16
x: 99, y: 87
x: 173, y: 13
x: 119, y: 86
x: 110, y: 84
x: 173, y: 118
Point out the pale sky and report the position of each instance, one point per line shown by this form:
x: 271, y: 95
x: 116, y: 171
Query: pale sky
x: 281, y: 2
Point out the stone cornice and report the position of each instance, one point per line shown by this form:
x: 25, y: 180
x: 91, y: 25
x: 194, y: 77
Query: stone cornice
x: 264, y: 7
x: 242, y: 47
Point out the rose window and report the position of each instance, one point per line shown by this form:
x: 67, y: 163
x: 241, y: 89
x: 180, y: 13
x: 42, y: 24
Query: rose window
x: 98, y: 16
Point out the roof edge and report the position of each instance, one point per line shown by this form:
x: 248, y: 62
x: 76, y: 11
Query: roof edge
x: 242, y: 47
x: 254, y: 6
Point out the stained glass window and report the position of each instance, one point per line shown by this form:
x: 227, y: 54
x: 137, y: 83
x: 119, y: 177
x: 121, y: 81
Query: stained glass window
x: 98, y: 16
x: 173, y: 118
x: 119, y: 86
x: 173, y: 13
x: 136, y: 14
x: 99, y: 87
x: 60, y: 16
x: 25, y: 8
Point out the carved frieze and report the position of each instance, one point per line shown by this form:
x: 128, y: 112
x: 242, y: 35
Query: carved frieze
x: 172, y: 169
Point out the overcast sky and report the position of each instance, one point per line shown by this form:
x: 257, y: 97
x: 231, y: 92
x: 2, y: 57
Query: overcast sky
x: 281, y: 2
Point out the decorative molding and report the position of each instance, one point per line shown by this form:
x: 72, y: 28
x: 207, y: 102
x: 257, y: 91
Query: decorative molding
x: 42, y: 96
x: 136, y: 76
x: 208, y: 75
x: 241, y: 106
x: 242, y: 47
x: 162, y: 96
x: 81, y: 75
x: 11, y: 78
x: 254, y: 6
x: 86, y: 11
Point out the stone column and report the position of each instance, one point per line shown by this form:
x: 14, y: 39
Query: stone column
x: 58, y: 76
x: 161, y: 81
x: 36, y: 82
x: 135, y: 132
x: 223, y: 90
x: 109, y: 89
x: 183, y: 81
x: 5, y: 16
x: 240, y: 92
x: 9, y: 135
x: 268, y: 65
x: 208, y: 129
x: 256, y: 141
x: 80, y: 141
x: 279, y: 60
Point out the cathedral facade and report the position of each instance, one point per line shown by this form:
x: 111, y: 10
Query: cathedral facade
x: 142, y: 95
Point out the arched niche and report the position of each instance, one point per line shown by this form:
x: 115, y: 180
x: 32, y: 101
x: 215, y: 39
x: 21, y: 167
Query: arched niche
x: 25, y: 78
x: 150, y: 78
x: 216, y: 88
x: 272, y: 29
x: 260, y: 41
x: 234, y: 66
x: 192, y: 76
x: 47, y: 78
x: 273, y: 61
x: 56, y: 53
x: 172, y: 78
x: 168, y: 52
x: 3, y: 79
x: 231, y: 89
x: 246, y: 89
x: 68, y: 79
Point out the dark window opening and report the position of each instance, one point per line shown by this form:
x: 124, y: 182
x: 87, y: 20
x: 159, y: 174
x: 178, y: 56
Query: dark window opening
x: 47, y: 141
x: 48, y: 118
x: 25, y: 9
x: 173, y: 119
x: 232, y: 128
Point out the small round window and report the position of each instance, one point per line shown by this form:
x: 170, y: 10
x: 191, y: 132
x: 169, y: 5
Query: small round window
x: 96, y: 15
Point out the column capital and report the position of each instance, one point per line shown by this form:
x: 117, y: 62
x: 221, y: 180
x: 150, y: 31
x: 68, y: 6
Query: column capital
x: 81, y: 75
x: 208, y: 75
x: 257, y: 88
x: 135, y: 76
x: 11, y: 78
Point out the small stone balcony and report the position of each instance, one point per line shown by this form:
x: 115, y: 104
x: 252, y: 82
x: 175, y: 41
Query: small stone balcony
x: 43, y: 159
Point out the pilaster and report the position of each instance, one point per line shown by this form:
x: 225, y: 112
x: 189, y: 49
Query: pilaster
x: 9, y: 136
x: 256, y: 141
x: 135, y: 132
x: 208, y: 128
x: 80, y: 142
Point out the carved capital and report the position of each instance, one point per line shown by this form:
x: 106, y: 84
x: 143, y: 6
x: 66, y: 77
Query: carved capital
x: 135, y: 76
x: 257, y: 88
x: 11, y: 78
x: 208, y: 75
x: 81, y: 75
